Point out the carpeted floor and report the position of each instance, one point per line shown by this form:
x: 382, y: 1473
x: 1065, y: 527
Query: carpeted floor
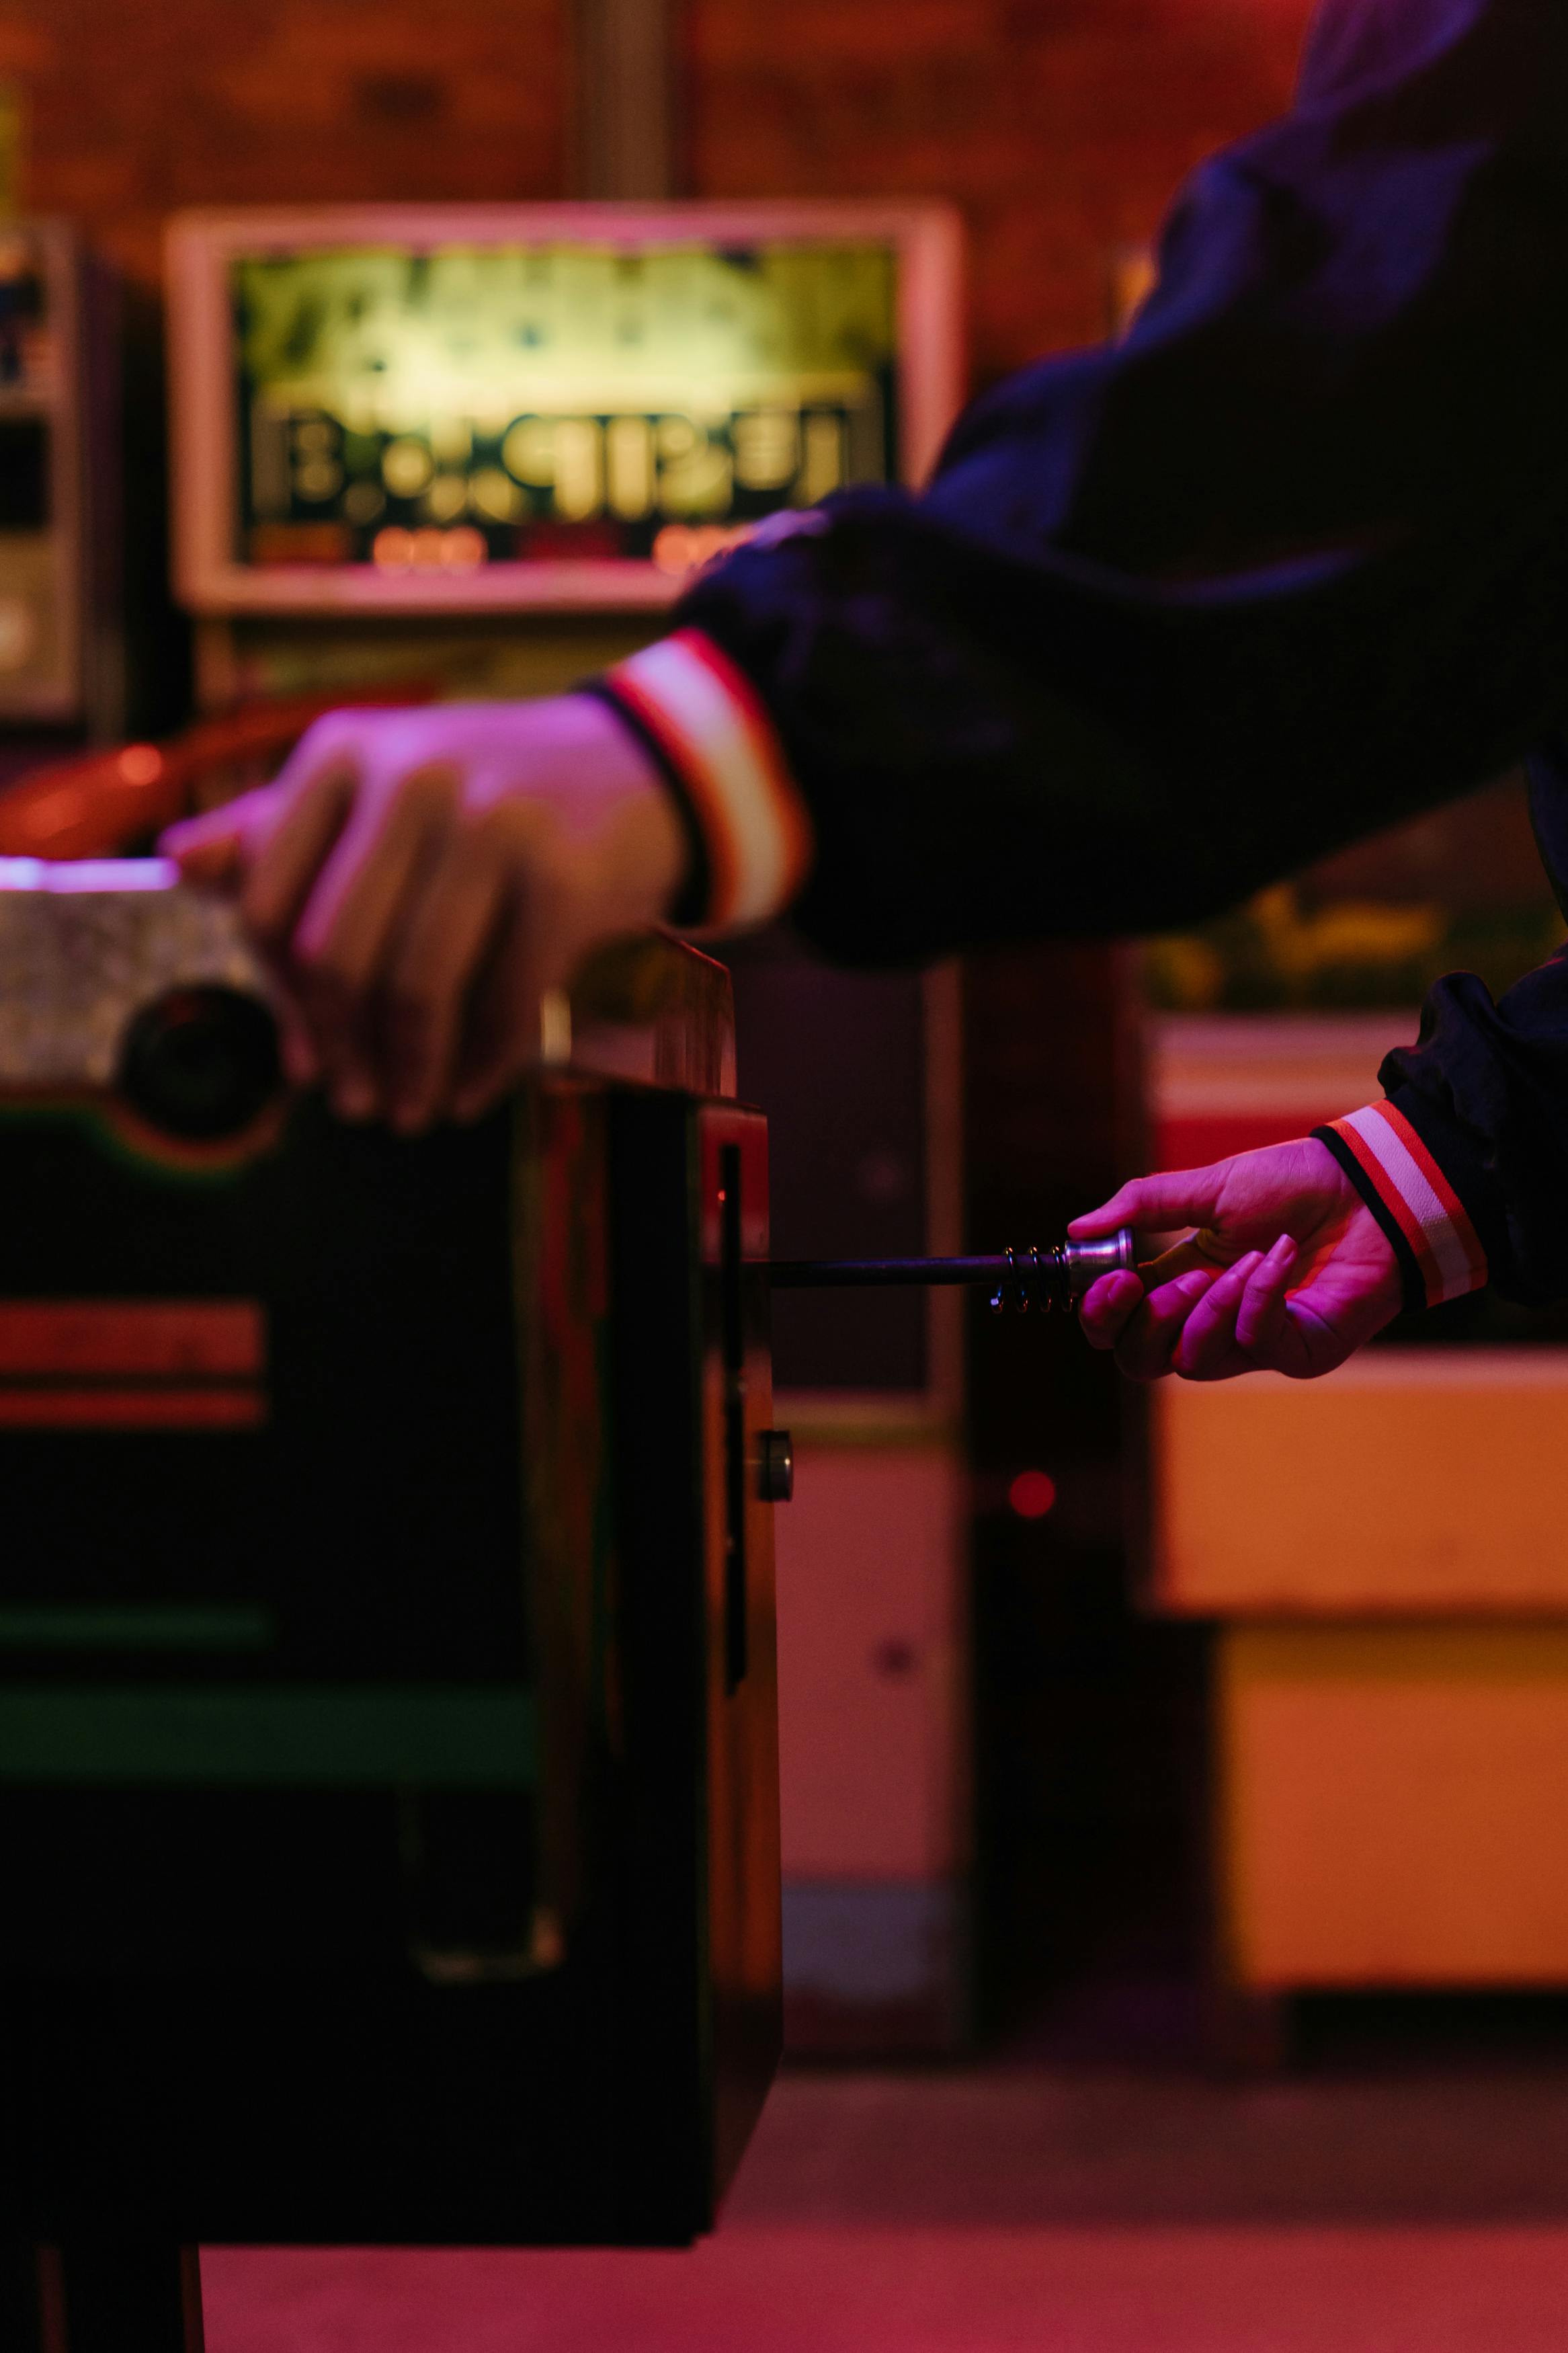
x: 977, y: 2212
x: 752, y: 2290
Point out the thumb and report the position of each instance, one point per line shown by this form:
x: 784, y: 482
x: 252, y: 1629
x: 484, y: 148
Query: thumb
x: 1188, y: 1196
x: 205, y: 848
x: 213, y: 849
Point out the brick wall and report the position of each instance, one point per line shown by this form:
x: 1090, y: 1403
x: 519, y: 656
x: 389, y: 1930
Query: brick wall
x: 1060, y: 126
x: 136, y: 107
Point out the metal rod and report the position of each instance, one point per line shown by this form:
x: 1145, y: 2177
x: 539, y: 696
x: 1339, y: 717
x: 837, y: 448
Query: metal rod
x: 841, y: 1273
x: 1015, y: 1277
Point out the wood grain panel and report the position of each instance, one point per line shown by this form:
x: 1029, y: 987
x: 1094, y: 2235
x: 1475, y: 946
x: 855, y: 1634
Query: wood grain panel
x: 1410, y: 1481
x: 1395, y: 1806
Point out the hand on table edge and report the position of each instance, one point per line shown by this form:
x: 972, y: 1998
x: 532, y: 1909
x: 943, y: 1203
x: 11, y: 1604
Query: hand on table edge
x: 1289, y: 1272
x: 417, y: 880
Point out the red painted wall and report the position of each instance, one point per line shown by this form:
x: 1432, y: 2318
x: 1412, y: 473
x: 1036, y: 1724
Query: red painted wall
x: 137, y: 106
x: 1060, y: 126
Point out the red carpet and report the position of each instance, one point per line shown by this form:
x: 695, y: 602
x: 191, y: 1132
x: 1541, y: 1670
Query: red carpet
x: 987, y: 2211
x: 795, y: 2291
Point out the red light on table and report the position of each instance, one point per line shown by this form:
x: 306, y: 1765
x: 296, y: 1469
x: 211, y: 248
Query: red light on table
x: 1032, y: 1495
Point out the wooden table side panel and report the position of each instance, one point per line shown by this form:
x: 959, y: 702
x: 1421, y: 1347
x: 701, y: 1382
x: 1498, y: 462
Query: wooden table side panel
x: 1438, y: 1487
x: 1395, y: 1804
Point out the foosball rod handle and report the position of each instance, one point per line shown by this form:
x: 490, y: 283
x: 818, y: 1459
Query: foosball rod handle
x: 1020, y: 1278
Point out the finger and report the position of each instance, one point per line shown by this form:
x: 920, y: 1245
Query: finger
x: 1187, y: 1197
x: 449, y: 943
x: 208, y: 848
x: 1200, y: 1250
x: 345, y: 938
x: 1263, y: 1317
x: 1330, y: 1316
x: 210, y: 824
x: 504, y: 1035
x: 1145, y: 1348
x: 1314, y: 1340
x: 285, y: 849
x: 301, y: 1064
x: 210, y: 852
x: 1207, y: 1349
x: 1106, y: 1307
x: 220, y: 849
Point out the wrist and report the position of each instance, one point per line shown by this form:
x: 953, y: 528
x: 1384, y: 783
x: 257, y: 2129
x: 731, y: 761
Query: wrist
x: 647, y: 854
x: 645, y: 847
x: 1421, y: 1218
x: 700, y: 721
x: 691, y: 893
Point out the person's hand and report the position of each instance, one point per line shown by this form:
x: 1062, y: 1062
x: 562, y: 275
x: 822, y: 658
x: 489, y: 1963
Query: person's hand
x: 419, y: 881
x: 1289, y: 1272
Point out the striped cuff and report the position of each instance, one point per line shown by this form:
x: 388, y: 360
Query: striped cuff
x: 1424, y: 1218
x: 704, y: 716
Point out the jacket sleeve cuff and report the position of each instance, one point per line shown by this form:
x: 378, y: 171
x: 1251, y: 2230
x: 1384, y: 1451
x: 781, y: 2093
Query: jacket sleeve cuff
x: 713, y: 740
x: 1393, y: 1167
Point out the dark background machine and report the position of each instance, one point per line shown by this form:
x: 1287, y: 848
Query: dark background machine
x: 61, y: 651
x: 388, y: 1800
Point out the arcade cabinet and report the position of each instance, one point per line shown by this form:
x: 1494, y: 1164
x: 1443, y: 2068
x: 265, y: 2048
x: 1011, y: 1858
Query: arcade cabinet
x: 60, y: 655
x: 388, y: 1801
x: 494, y: 441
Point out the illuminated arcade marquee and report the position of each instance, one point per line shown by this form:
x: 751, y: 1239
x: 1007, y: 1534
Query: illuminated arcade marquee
x: 561, y: 405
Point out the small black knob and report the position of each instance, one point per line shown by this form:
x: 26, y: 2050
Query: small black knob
x: 775, y: 1468
x: 201, y: 1062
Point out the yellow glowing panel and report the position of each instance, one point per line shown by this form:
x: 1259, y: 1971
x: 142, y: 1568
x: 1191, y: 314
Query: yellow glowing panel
x: 543, y: 401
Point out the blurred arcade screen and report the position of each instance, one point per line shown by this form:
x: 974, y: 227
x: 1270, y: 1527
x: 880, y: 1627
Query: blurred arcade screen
x: 563, y: 405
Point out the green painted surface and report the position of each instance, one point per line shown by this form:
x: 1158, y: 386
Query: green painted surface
x: 136, y: 1626
x: 320, y: 1736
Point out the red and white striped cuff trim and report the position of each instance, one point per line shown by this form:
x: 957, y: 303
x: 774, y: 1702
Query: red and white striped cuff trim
x: 707, y: 716
x: 1419, y: 1197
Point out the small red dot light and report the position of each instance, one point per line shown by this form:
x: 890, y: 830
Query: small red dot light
x: 1032, y: 1495
x: 140, y: 762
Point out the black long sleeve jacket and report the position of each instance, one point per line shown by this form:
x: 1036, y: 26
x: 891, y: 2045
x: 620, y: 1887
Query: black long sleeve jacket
x: 1291, y: 561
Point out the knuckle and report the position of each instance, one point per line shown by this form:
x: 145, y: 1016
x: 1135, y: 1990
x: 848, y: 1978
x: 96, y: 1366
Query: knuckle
x: 251, y: 817
x: 325, y: 743
x: 513, y: 824
x: 426, y: 788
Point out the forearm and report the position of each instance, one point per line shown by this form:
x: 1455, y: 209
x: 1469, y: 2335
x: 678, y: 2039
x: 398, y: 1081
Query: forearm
x: 1290, y: 562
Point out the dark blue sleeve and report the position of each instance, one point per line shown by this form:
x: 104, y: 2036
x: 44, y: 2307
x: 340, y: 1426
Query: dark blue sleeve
x: 1487, y: 1087
x: 1289, y: 562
